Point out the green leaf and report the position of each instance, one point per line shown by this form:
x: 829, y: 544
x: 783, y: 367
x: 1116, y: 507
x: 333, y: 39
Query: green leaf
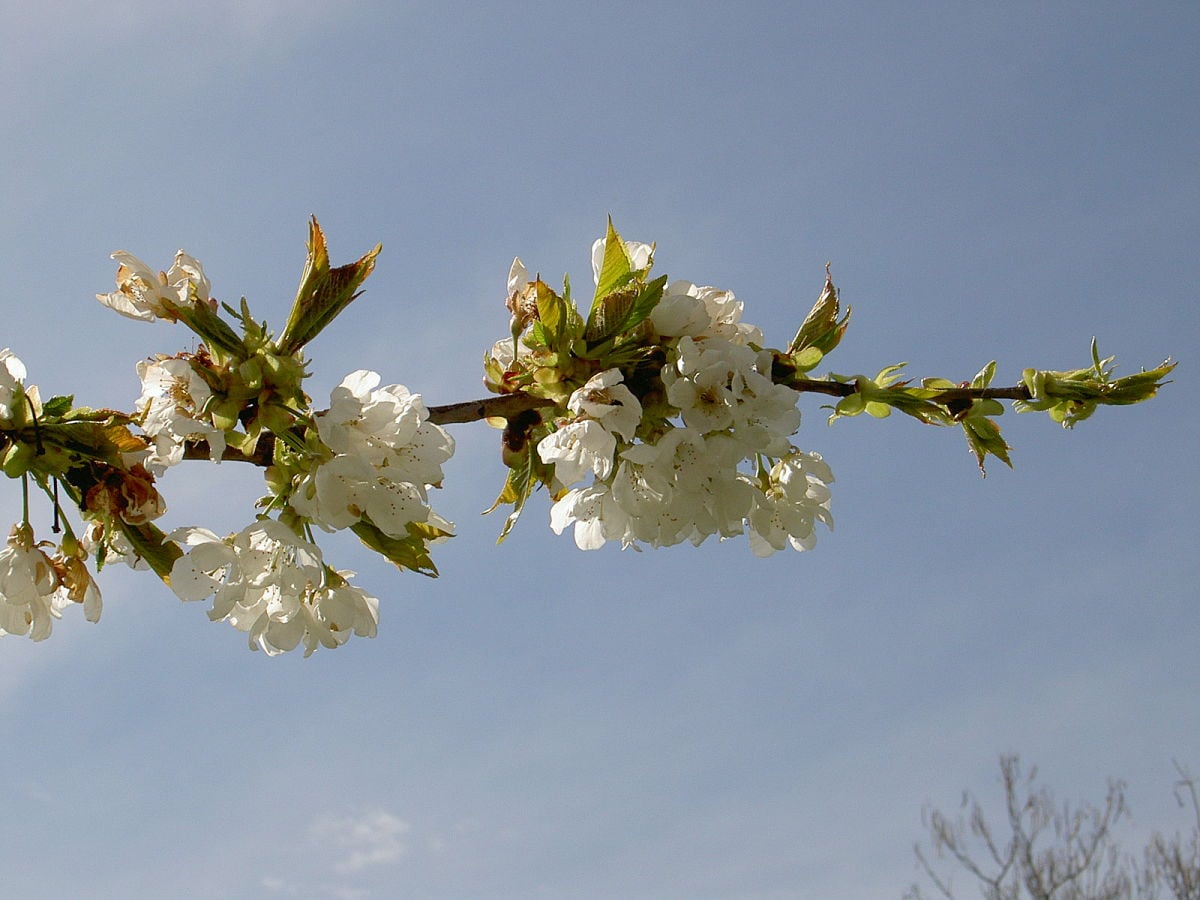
x: 518, y: 487
x: 647, y: 299
x: 621, y: 312
x: 323, y: 292
x: 983, y: 437
x: 57, y: 406
x: 409, y: 552
x: 67, y: 443
x: 616, y: 270
x: 821, y: 328
x: 554, y: 316
x: 606, y: 316
x: 985, y: 376
x: 807, y: 359
x: 938, y: 384
x: 149, y: 543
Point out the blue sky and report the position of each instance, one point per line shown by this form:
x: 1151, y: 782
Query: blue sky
x: 988, y: 183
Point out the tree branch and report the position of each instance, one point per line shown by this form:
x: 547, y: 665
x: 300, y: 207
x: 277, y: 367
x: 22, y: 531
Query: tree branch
x: 506, y: 406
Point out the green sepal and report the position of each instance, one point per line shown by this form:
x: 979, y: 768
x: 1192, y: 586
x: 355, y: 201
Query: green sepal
x: 324, y: 292
x: 221, y: 340
x: 17, y: 459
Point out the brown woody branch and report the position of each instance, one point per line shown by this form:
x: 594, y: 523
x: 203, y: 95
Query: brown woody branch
x: 506, y: 406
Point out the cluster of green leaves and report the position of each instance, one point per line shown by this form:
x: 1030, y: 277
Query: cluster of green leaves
x: 1067, y: 397
x: 255, y: 379
x: 937, y: 401
x: 1070, y: 397
x: 563, y: 347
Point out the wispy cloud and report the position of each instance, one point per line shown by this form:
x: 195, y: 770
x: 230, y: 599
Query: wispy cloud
x: 371, y: 839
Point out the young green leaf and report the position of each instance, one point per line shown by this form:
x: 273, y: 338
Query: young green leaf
x: 821, y: 328
x: 616, y: 269
x: 324, y: 292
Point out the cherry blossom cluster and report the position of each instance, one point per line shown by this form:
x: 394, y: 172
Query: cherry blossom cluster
x: 36, y: 586
x: 376, y: 453
x: 688, y: 481
x: 365, y: 463
x: 272, y: 584
x: 701, y: 447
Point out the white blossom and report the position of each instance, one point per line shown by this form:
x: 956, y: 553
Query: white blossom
x: 577, y: 449
x: 346, y: 488
x: 386, y: 453
x: 372, y: 423
x: 28, y: 586
x: 12, y: 376
x: 766, y: 415
x: 707, y: 496
x: 798, y: 498
x: 608, y: 401
x: 640, y: 256
x: 686, y: 309
x: 145, y: 294
x: 171, y: 411
x: 594, y: 513
x: 273, y: 585
x: 605, y: 409
x: 684, y: 486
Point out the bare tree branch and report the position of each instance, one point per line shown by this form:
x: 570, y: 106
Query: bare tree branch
x: 1060, y: 852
